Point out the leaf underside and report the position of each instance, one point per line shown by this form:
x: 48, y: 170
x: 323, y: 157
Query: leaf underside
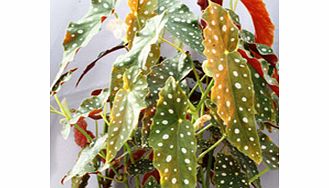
x: 172, y: 139
x: 233, y: 88
x: 127, y: 104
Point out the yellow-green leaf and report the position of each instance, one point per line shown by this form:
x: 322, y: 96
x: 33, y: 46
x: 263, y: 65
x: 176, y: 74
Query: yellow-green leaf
x: 128, y: 103
x: 172, y: 139
x: 233, y: 88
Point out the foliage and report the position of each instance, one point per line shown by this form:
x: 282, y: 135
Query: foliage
x: 173, y: 121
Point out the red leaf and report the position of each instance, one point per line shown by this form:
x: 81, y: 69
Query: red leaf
x: 153, y: 173
x: 79, y: 138
x: 264, y: 28
x: 204, y: 3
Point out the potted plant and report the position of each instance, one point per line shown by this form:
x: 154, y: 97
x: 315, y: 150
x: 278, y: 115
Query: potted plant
x: 176, y: 121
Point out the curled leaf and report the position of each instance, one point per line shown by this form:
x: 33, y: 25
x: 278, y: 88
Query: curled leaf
x: 62, y: 79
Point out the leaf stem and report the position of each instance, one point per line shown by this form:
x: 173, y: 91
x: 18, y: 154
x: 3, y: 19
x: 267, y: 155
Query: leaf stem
x: 204, y: 95
x: 259, y: 175
x: 137, y: 182
x: 172, y: 44
x: 211, y: 147
x: 203, y: 129
x: 235, y: 5
x: 196, y: 86
x: 210, y: 158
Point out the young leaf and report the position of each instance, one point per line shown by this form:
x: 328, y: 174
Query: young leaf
x: 80, y: 33
x: 228, y: 173
x: 177, y: 67
x: 270, y: 151
x: 90, y: 106
x: 128, y: 103
x: 264, y: 28
x: 182, y: 23
x: 138, y: 54
x: 233, y: 90
x: 172, y: 138
x: 64, y: 78
x: 84, y: 163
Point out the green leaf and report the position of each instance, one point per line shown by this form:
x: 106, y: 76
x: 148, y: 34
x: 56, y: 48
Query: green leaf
x: 182, y: 23
x: 247, y: 36
x: 65, y: 131
x: 228, y: 173
x: 270, y: 151
x: 128, y: 103
x: 248, y: 166
x: 151, y: 183
x: 233, y: 88
x: 79, y: 33
x: 138, y: 54
x: 62, y: 79
x: 177, y: 67
x: 265, y: 107
x: 140, y: 167
x: 84, y: 163
x: 234, y: 17
x: 172, y: 138
x: 90, y: 106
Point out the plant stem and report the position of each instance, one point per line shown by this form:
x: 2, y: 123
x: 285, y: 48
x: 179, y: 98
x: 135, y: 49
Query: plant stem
x: 199, y: 83
x: 235, y: 5
x: 210, y: 158
x: 96, y: 128
x: 196, y: 86
x: 137, y: 182
x: 68, y: 118
x: 211, y: 147
x: 172, y: 44
x: 204, y: 95
x: 259, y: 175
x: 203, y: 129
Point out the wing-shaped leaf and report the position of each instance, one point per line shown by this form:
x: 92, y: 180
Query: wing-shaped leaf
x: 233, y: 89
x: 248, y: 166
x: 90, y: 106
x: 177, y: 67
x: 62, y: 79
x: 79, y: 33
x: 264, y: 28
x: 270, y: 151
x: 265, y: 107
x: 228, y: 173
x: 172, y: 139
x: 140, y: 167
x: 182, y: 23
x: 84, y: 163
x: 138, y: 54
x: 128, y: 103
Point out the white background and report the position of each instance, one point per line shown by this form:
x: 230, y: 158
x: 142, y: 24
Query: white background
x: 24, y: 79
x: 64, y: 152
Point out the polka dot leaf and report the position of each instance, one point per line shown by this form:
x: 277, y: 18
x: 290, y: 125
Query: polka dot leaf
x: 79, y: 33
x: 84, y: 163
x: 90, y: 106
x: 127, y: 104
x: 64, y: 78
x: 270, y: 151
x: 177, y: 67
x: 172, y: 139
x: 233, y: 88
x: 228, y: 173
x: 140, y: 51
x: 264, y: 104
x: 182, y: 23
x: 151, y: 183
x: 140, y: 167
x: 248, y: 166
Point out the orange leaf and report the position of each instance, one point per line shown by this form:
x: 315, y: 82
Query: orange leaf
x: 264, y: 28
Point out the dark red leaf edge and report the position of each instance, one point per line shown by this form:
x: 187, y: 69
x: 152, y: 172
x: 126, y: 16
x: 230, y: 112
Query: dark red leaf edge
x: 264, y: 28
x: 65, y: 77
x: 100, y: 56
x: 204, y: 3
